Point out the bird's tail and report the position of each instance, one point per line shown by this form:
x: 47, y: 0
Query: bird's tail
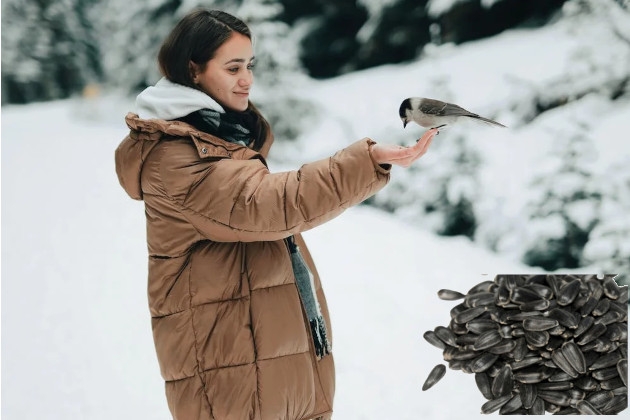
x: 486, y: 120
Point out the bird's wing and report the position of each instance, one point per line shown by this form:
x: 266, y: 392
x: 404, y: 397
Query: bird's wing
x: 432, y: 107
x: 439, y: 108
x: 456, y: 110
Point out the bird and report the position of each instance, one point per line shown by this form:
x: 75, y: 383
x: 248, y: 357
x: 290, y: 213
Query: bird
x: 433, y: 113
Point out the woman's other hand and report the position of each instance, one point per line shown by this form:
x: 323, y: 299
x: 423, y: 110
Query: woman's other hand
x: 400, y: 155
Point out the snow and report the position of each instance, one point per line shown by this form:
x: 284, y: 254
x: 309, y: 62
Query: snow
x: 573, y: 66
x: 75, y: 322
x: 76, y: 330
x: 436, y: 8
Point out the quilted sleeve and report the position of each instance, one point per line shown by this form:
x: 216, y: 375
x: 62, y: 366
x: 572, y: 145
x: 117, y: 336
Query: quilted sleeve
x: 240, y: 200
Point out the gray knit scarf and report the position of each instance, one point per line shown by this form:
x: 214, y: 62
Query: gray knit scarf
x: 306, y: 287
x: 232, y: 127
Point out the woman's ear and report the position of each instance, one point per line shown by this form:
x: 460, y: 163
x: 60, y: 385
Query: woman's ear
x: 194, y: 71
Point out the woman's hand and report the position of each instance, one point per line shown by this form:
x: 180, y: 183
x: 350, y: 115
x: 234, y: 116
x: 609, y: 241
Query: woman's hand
x: 400, y: 155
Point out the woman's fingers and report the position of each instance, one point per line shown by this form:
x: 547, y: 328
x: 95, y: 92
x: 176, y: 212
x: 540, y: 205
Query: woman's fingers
x: 427, y: 137
x: 403, y: 156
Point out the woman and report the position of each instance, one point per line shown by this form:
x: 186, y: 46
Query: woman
x: 239, y: 318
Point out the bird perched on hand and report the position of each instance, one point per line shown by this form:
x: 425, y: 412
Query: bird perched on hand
x: 431, y: 113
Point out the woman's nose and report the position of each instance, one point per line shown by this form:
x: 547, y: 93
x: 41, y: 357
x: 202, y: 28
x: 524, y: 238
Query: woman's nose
x: 246, y: 80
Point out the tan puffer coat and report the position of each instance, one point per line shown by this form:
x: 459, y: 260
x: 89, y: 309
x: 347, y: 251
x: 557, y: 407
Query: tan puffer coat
x: 231, y: 336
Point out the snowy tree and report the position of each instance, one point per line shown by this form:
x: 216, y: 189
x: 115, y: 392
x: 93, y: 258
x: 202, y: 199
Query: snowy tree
x: 277, y: 55
x: 565, y: 207
x: 608, y: 245
x: 48, y: 49
x: 131, y: 35
x: 440, y: 194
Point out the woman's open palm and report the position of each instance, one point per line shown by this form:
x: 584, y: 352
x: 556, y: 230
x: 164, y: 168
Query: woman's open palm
x: 400, y: 155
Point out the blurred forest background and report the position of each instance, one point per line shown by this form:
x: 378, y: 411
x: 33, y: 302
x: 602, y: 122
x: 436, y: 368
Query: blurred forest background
x: 56, y: 49
x: 53, y: 49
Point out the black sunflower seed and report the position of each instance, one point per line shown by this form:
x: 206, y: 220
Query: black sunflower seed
x: 592, y: 333
x: 538, y: 408
x: 612, y: 383
x: 435, y: 375
x: 446, y: 294
x: 564, y: 317
x: 622, y: 368
x: 484, y: 286
x: 479, y: 299
x: 617, y: 404
x: 477, y: 326
x: 588, y: 307
x: 495, y: 404
x: 522, y: 295
x: 503, y: 382
x: 512, y: 405
x: 536, y: 343
x: 469, y: 314
x: 574, y: 356
x: 483, y: 362
x: 584, y: 407
x: 561, y: 361
x: 528, y: 394
x: 568, y: 292
x: 483, y: 384
x: 539, y: 323
x: 558, y: 398
x: 446, y: 335
x: 599, y: 399
x: 487, y: 339
x: 526, y: 362
x: 605, y: 360
x: 537, y: 338
x: 432, y: 338
x: 611, y: 289
x: 534, y: 376
x: 605, y: 373
x: 602, y: 307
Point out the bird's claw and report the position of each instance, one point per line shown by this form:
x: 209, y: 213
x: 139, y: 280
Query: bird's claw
x: 438, y: 128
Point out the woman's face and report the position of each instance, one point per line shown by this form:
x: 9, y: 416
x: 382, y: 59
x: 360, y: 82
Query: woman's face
x: 228, y: 75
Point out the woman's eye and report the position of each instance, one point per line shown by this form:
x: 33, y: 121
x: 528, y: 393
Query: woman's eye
x: 233, y: 69
x: 251, y: 66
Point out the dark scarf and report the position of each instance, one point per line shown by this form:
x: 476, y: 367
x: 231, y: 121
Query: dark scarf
x: 235, y: 127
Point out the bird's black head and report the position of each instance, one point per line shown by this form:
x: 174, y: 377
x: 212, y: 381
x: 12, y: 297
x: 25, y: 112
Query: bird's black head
x: 402, y: 111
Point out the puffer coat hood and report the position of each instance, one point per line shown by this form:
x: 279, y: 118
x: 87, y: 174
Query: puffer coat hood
x: 231, y: 335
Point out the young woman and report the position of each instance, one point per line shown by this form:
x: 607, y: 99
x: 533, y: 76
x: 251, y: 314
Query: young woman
x: 239, y: 317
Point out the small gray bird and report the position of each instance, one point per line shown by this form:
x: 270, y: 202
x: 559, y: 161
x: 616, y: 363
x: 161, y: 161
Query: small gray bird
x: 435, y: 114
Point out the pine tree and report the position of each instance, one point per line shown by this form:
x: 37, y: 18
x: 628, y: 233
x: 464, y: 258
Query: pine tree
x: 439, y: 194
x: 565, y: 209
x: 48, y: 49
x: 608, y: 245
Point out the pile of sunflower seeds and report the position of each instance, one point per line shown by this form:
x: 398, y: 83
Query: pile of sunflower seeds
x: 540, y: 343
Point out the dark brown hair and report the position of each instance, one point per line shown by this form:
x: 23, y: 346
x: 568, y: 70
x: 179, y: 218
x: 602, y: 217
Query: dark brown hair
x: 196, y: 38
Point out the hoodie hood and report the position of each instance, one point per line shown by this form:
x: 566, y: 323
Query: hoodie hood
x: 168, y: 101
x: 158, y: 107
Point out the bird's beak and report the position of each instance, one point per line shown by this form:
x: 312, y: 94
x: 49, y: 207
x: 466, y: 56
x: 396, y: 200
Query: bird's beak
x: 404, y: 123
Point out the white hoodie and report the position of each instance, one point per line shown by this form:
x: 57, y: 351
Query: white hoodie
x: 168, y: 101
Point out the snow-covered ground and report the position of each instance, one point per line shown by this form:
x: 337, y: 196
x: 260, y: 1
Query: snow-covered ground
x: 75, y: 326
x: 76, y: 338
